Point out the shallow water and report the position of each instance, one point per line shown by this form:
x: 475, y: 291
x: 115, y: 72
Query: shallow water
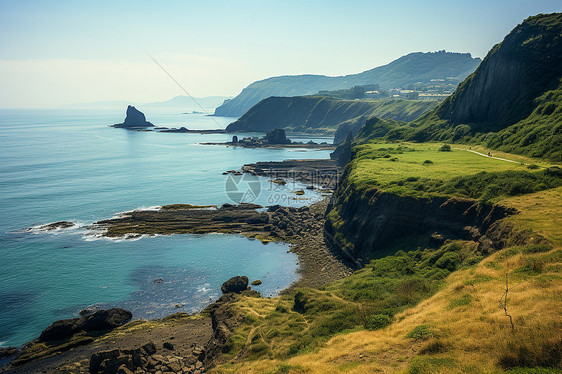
x: 69, y: 165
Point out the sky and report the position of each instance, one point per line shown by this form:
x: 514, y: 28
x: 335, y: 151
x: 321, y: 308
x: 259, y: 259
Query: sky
x: 60, y: 52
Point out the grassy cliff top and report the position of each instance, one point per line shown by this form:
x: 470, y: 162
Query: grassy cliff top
x: 422, y: 170
x: 374, y: 321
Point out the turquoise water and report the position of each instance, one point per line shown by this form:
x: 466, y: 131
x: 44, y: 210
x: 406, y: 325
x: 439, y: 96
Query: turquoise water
x: 69, y: 165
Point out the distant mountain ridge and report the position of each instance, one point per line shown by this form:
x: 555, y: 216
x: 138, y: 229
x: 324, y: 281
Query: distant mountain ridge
x: 408, y: 69
x: 512, y: 102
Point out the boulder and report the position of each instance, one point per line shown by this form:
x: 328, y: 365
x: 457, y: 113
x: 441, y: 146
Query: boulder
x: 122, y: 361
x: 100, y: 320
x: 89, y: 310
x: 134, y: 118
x: 277, y: 136
x: 106, y: 319
x: 235, y: 285
x: 99, y: 357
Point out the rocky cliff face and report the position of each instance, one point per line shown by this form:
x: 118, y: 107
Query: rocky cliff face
x: 308, y: 113
x: 501, y: 91
x: 364, y: 225
x: 409, y: 69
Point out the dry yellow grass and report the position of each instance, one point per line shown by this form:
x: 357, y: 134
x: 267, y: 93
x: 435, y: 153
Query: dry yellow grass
x: 542, y: 212
x: 473, y: 337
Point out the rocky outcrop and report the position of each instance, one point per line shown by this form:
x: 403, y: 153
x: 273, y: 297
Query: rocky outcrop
x: 98, y: 321
x: 409, y: 69
x: 146, y: 360
x: 277, y: 136
x: 342, y: 154
x: 235, y: 284
x: 225, y: 319
x: 515, y: 72
x: 363, y: 224
x: 53, y: 226
x: 6, y: 352
x: 512, y: 102
x: 134, y: 119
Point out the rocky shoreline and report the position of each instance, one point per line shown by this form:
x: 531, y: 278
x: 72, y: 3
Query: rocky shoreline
x: 292, y: 145
x: 181, y: 343
x: 302, y: 228
x: 322, y: 174
x: 178, y: 343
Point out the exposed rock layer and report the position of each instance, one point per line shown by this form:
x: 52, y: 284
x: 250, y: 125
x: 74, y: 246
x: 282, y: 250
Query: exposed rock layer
x: 374, y: 221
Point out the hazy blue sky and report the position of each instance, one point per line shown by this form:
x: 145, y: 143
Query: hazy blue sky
x: 57, y: 52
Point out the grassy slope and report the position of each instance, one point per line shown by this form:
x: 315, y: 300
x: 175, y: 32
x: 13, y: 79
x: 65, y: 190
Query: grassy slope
x: 512, y: 102
x: 462, y: 327
x: 537, y: 135
x: 422, y: 170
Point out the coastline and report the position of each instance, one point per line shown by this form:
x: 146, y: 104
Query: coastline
x: 301, y: 228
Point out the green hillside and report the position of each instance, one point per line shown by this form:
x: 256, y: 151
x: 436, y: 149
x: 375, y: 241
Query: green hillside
x: 407, y: 70
x: 512, y: 102
x: 324, y: 114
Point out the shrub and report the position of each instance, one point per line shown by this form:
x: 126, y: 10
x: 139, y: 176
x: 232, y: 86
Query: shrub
x: 473, y: 260
x: 299, y: 302
x: 532, y: 166
x: 448, y: 261
x: 533, y: 266
x: 427, y: 162
x: 445, y: 148
x: 421, y: 332
x: 378, y: 321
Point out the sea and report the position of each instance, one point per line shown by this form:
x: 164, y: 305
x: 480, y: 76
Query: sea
x: 69, y: 165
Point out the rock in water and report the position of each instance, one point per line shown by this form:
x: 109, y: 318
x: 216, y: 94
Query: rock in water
x: 100, y: 320
x: 277, y: 136
x: 134, y: 118
x: 235, y: 284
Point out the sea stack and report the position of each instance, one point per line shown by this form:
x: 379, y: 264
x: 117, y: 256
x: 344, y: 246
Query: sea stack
x: 134, y: 119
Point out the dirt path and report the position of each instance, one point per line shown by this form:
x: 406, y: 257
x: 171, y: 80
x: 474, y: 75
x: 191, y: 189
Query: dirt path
x: 485, y: 155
